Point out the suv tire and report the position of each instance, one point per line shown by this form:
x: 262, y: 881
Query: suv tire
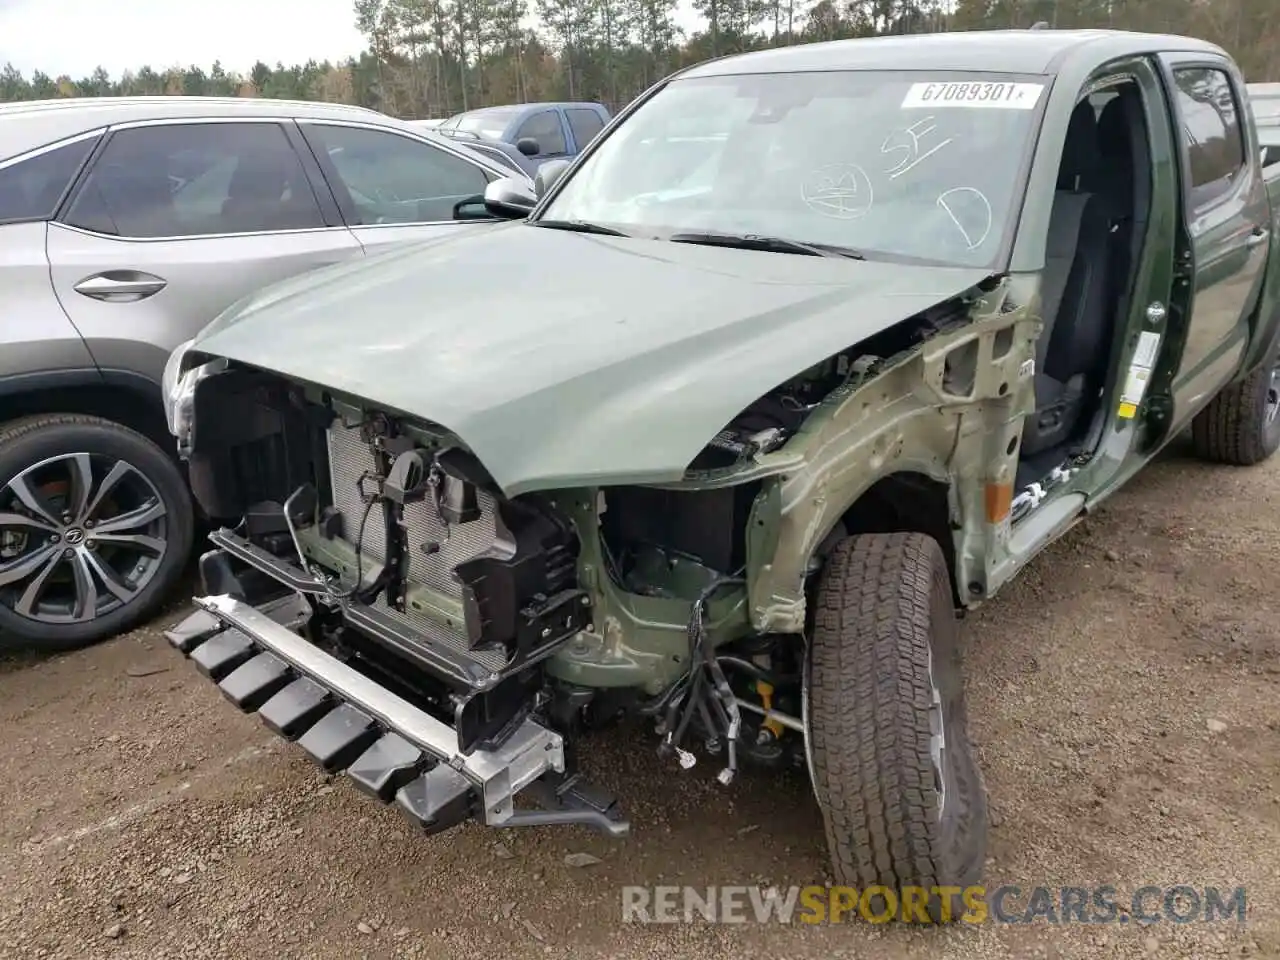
x: 882, y: 671
x: 96, y: 526
x: 1241, y: 425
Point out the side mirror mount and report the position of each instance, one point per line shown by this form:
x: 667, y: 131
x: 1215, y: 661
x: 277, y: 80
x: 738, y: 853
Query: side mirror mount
x: 528, y: 146
x: 509, y: 198
x: 548, y: 174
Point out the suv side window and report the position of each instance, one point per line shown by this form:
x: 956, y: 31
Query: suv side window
x: 546, y: 129
x: 1211, y: 132
x: 30, y: 189
x: 585, y: 124
x: 392, y: 178
x: 196, y: 179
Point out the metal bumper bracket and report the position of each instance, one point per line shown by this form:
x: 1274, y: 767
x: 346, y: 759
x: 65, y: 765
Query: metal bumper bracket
x: 348, y: 722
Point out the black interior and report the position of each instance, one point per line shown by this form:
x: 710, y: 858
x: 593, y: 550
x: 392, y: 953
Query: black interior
x: 1095, y: 233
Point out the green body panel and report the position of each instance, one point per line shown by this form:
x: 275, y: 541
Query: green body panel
x: 1267, y: 323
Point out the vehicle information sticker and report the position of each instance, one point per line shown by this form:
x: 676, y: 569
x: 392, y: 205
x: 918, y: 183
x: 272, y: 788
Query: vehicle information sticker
x: 1144, y: 355
x: 1135, y: 385
x: 975, y: 94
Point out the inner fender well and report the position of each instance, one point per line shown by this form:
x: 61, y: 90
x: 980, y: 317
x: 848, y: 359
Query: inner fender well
x: 906, y: 502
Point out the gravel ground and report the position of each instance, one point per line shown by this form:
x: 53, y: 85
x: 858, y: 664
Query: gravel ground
x: 1123, y: 696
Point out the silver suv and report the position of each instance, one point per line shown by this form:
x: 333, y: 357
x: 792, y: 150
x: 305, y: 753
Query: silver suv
x: 126, y: 225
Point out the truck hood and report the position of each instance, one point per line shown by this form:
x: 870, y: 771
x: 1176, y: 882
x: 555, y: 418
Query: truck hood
x: 566, y: 359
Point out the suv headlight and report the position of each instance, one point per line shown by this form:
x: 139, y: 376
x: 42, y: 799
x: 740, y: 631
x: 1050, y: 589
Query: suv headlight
x: 179, y: 389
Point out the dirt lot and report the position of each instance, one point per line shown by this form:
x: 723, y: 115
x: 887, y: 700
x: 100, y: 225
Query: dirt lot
x: 144, y: 817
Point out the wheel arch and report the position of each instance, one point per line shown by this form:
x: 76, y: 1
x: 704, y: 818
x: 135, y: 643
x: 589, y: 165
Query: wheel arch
x: 127, y: 398
x: 905, y: 501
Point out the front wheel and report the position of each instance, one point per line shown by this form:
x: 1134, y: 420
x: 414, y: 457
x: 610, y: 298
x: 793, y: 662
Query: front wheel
x: 95, y: 528
x: 901, y: 797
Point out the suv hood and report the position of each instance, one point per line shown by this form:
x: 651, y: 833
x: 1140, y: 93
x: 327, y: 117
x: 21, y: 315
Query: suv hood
x: 565, y: 359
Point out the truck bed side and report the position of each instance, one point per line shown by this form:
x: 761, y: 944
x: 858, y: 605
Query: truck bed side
x: 1264, y: 100
x: 1269, y: 140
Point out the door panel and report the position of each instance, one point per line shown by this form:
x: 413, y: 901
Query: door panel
x: 35, y: 335
x: 1227, y: 224
x: 176, y: 222
x: 202, y: 276
x: 393, y: 188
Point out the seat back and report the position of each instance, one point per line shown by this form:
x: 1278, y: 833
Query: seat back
x: 267, y: 192
x: 1074, y: 291
x: 1125, y: 181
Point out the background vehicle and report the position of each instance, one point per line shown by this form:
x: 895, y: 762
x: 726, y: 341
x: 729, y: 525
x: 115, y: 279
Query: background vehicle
x: 742, y: 442
x: 125, y: 226
x: 542, y: 131
x: 505, y: 154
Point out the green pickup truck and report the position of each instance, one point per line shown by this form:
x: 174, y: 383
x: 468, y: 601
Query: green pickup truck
x: 812, y: 349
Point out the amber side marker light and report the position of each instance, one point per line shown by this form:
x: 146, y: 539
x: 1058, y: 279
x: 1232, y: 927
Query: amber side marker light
x: 999, y: 499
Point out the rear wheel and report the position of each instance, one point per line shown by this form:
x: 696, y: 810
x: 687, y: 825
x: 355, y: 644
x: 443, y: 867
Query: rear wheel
x: 95, y: 528
x: 1241, y: 425
x: 901, y: 796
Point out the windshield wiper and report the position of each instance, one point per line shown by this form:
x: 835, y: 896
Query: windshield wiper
x: 580, y: 226
x: 750, y: 241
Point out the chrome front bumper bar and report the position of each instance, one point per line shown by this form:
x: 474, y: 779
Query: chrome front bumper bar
x: 346, y: 721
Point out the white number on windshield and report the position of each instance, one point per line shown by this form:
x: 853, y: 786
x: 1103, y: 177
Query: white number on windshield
x: 974, y: 94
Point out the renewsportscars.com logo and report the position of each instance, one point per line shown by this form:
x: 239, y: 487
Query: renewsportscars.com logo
x: 1181, y: 903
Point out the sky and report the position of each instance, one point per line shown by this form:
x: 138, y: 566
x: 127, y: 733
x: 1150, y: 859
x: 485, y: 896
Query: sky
x: 75, y: 36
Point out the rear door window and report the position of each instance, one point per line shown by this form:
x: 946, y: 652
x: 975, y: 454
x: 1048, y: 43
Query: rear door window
x: 196, y: 179
x: 1211, y: 133
x: 31, y: 188
x: 585, y: 124
x: 545, y: 127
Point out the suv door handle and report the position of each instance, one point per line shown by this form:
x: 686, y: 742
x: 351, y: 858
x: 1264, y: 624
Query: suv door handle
x: 121, y: 286
x: 1258, y: 236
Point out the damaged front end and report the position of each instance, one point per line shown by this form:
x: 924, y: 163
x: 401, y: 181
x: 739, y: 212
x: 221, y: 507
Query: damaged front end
x: 382, y: 604
x: 379, y: 599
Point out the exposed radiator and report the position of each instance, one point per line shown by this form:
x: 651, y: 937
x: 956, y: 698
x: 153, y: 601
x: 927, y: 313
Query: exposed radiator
x: 349, y: 458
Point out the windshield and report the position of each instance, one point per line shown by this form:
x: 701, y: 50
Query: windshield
x: 486, y: 123
x: 893, y: 164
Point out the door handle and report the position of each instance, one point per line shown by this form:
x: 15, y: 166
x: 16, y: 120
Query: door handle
x: 121, y: 286
x: 1257, y: 237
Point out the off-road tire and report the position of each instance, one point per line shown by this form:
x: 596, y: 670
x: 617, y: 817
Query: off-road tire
x: 1234, y: 428
x: 883, y: 611
x: 29, y: 441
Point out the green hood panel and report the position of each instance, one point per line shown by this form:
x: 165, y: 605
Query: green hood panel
x: 567, y: 359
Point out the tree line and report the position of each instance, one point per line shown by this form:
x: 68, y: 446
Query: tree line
x: 432, y: 58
